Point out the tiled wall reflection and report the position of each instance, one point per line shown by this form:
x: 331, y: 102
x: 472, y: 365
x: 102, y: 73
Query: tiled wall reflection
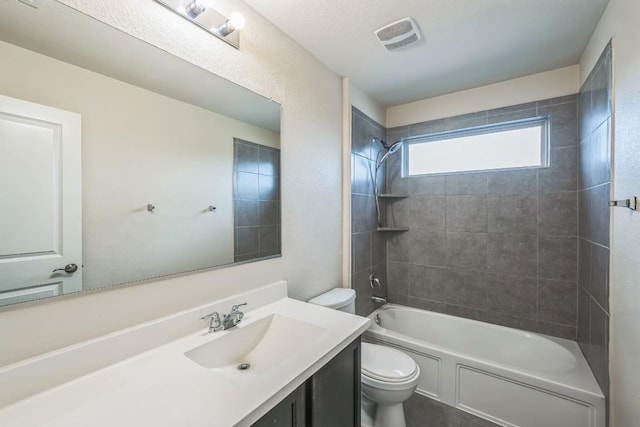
x: 499, y: 247
x: 594, y: 154
x: 368, y: 250
x: 256, y: 200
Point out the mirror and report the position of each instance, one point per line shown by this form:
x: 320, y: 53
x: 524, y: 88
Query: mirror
x: 120, y: 162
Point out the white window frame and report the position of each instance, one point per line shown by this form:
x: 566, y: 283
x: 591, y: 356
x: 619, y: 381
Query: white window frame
x: 542, y: 121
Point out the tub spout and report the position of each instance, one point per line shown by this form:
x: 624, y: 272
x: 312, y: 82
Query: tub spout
x: 379, y: 300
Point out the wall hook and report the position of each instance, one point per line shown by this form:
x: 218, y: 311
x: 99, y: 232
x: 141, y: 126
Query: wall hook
x: 212, y: 208
x: 632, y: 203
x: 150, y: 208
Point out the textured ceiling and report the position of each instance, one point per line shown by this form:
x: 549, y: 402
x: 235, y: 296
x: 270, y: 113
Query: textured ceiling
x: 465, y: 44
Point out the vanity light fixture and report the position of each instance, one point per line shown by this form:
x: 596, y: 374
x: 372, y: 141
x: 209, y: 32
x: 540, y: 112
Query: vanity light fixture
x: 194, y: 9
x: 235, y: 22
x: 200, y: 12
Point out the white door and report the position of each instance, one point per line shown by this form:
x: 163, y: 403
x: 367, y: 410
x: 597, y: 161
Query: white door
x: 40, y: 201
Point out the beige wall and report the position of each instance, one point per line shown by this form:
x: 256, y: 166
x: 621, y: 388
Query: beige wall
x: 620, y: 21
x: 550, y: 84
x: 273, y: 65
x: 175, y: 155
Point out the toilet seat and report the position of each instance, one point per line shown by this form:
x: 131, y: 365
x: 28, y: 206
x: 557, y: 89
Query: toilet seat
x: 387, y: 368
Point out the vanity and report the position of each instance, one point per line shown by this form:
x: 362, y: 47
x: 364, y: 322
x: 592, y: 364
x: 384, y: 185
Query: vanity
x: 304, y: 369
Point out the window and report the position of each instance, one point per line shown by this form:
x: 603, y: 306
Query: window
x: 509, y: 145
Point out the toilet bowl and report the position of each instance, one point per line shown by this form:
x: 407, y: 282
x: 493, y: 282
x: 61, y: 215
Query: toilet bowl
x: 388, y: 376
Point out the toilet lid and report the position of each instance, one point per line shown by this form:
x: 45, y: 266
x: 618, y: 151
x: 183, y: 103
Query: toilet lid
x: 386, y: 364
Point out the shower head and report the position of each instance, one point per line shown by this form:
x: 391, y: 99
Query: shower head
x: 394, y: 147
x: 386, y: 150
x: 389, y: 148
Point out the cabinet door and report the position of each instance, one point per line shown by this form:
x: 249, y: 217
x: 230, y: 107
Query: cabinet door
x: 290, y: 412
x: 334, y: 391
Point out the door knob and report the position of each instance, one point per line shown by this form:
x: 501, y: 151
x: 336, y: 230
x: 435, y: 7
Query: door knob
x: 69, y: 268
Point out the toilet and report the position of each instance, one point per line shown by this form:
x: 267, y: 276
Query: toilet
x: 388, y: 376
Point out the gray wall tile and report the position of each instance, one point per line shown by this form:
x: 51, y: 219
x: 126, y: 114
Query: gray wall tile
x: 466, y: 183
x: 466, y: 288
x: 269, y: 238
x: 600, y: 346
x: 557, y: 301
x: 269, y: 212
x: 511, y: 182
x: 269, y: 163
x: 398, y: 279
x: 512, y: 253
x: 378, y: 249
x: 256, y: 201
x: 513, y: 115
x: 433, y: 126
x: 558, y: 100
x: 426, y: 212
x: 558, y: 214
x: 247, y: 186
x: 594, y: 211
x: 528, y: 106
x: 595, y: 158
x: 268, y: 187
x: 246, y: 157
x: 426, y: 248
x: 248, y: 239
x: 247, y: 213
x: 599, y: 283
x: 593, y: 229
x: 398, y: 246
x: 362, y: 175
x: 558, y: 257
x: 466, y: 213
x: 363, y: 211
x: 562, y: 175
x: 513, y: 213
x: 466, y: 250
x: 361, y: 251
x: 564, y: 123
x: 584, y: 322
x: 513, y: 294
x: 426, y: 185
x: 584, y: 263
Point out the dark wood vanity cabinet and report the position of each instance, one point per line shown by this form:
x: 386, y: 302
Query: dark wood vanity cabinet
x: 330, y: 398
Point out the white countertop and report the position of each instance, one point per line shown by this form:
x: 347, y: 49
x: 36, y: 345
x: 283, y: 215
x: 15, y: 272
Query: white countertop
x: 162, y: 387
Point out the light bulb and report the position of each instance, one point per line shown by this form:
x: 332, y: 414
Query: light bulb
x: 236, y: 20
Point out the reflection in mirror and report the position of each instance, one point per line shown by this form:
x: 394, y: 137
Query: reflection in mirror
x: 118, y: 158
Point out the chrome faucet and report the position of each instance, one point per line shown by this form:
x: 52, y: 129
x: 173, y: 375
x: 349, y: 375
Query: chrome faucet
x: 232, y: 319
x: 214, y: 321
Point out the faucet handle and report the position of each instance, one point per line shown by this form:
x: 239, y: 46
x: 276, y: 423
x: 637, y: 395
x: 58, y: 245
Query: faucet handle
x: 214, y: 323
x: 236, y: 307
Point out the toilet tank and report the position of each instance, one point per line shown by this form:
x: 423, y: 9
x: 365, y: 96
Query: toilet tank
x: 339, y: 298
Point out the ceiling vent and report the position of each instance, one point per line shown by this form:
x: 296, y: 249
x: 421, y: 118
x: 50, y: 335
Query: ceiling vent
x: 398, y: 34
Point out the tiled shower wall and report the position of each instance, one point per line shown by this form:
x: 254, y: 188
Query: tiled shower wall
x: 256, y: 200
x: 594, y: 154
x: 368, y: 250
x: 500, y: 246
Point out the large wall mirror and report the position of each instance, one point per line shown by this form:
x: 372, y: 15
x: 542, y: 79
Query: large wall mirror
x: 120, y: 162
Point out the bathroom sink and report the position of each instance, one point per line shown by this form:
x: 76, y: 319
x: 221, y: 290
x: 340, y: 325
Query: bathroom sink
x: 257, y: 346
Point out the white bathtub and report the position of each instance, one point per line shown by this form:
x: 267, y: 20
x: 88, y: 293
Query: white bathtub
x: 507, y: 376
